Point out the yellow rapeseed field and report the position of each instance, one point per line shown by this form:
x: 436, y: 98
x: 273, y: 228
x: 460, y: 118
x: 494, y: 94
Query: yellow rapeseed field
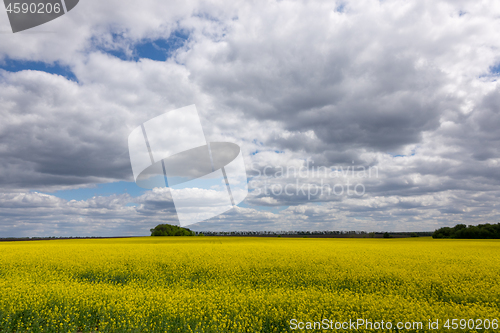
x: 244, y: 284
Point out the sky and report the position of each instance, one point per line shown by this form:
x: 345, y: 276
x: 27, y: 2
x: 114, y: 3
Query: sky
x: 351, y: 115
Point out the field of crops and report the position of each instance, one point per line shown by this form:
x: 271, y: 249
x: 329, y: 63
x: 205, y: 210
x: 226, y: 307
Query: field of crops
x: 225, y: 284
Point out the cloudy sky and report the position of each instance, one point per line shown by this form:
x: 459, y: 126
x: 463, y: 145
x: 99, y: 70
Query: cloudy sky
x: 370, y: 115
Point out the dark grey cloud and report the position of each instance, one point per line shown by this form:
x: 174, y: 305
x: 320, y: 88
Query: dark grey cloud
x: 352, y: 88
x: 53, y: 136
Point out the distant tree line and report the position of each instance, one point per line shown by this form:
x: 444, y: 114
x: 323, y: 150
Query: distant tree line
x: 314, y: 233
x: 170, y: 230
x: 481, y: 231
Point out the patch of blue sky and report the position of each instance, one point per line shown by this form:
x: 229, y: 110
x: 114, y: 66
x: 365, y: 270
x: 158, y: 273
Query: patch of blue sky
x: 340, y: 8
x: 493, y: 73
x: 13, y: 65
x: 101, y: 190
x: 276, y: 151
x: 495, y: 69
x: 400, y: 155
x: 158, y: 49
x: 162, y: 49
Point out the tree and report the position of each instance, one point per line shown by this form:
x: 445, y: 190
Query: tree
x: 481, y: 231
x: 170, y: 230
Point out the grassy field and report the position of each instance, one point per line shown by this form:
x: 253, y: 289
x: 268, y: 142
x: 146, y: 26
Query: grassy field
x: 223, y: 284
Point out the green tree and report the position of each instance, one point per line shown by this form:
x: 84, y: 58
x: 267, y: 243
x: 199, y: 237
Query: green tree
x: 481, y: 231
x: 170, y: 230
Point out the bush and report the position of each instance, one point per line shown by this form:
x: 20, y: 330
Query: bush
x: 170, y: 230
